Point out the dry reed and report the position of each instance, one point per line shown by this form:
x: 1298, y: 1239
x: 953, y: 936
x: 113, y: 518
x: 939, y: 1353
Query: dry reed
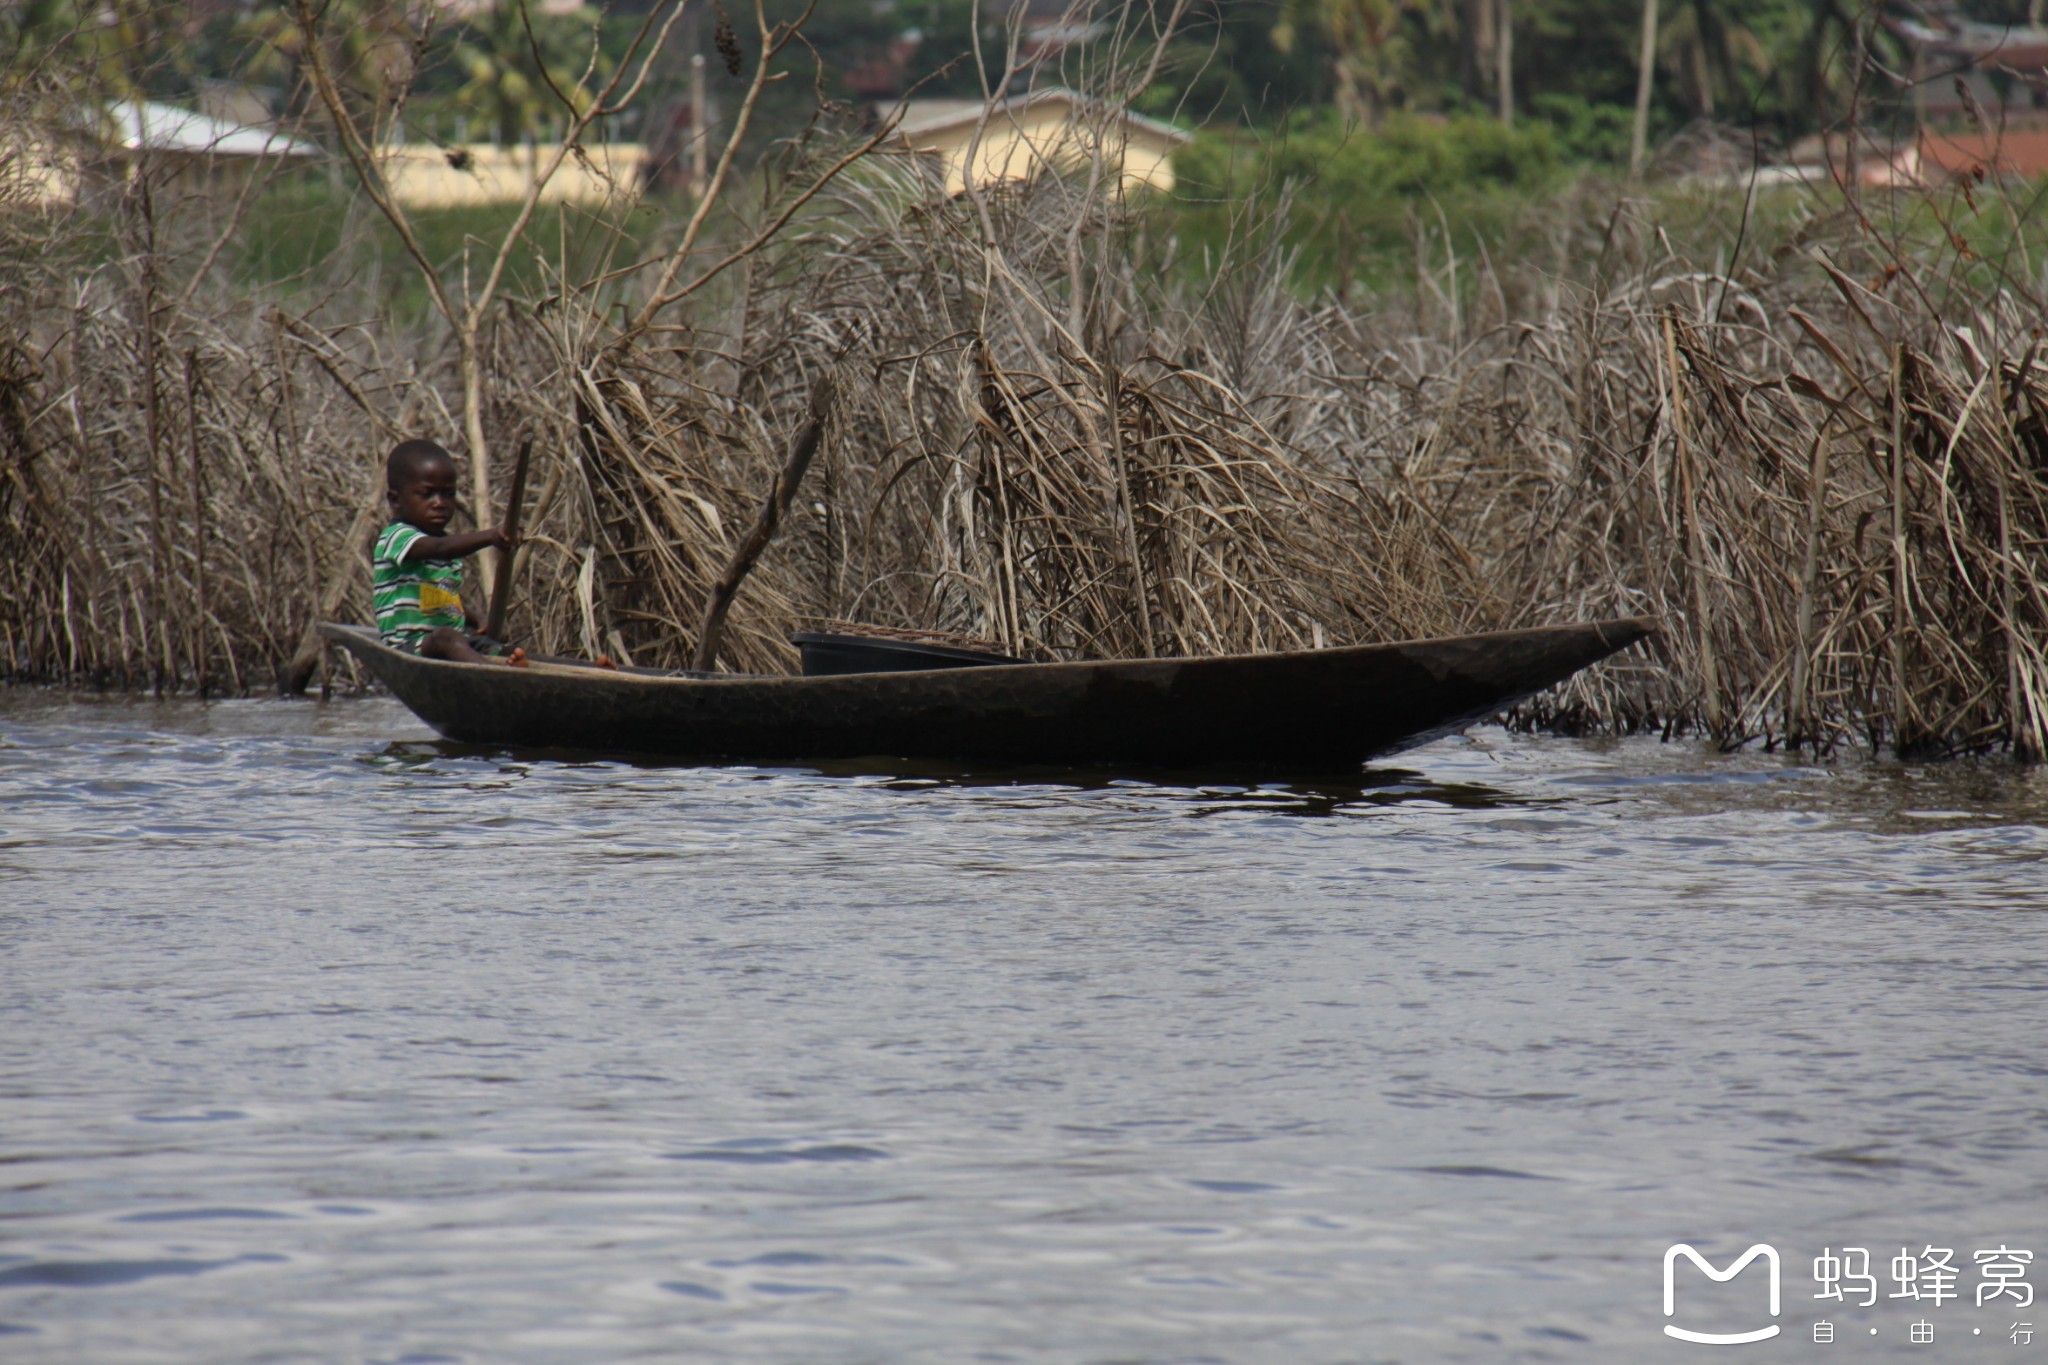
x: 1826, y: 470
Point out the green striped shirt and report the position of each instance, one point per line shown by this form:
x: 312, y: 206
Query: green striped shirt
x: 412, y: 599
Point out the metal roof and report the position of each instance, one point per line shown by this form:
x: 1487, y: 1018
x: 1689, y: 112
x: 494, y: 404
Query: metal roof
x: 930, y: 116
x: 145, y: 125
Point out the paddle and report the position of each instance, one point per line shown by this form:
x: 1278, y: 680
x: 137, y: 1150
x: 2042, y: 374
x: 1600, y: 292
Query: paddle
x: 719, y: 600
x: 501, y: 590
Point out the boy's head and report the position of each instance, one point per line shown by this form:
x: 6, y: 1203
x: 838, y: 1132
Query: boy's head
x: 419, y: 480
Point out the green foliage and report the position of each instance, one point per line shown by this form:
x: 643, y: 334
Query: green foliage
x: 367, y: 44
x: 309, y: 235
x: 943, y: 66
x: 1350, y: 198
x: 1585, y: 131
x: 1401, y: 156
x: 2001, y: 11
x: 33, y: 32
x: 72, y: 46
x: 1581, y: 48
x: 520, y: 68
x: 1785, y: 63
x: 1224, y: 67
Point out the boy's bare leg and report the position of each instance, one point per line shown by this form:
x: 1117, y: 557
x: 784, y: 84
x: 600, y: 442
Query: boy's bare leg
x: 448, y: 643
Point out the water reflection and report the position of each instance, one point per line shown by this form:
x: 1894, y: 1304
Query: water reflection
x: 1198, y: 791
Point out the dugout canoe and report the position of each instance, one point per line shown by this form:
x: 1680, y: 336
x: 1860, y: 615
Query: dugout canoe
x: 1326, y: 709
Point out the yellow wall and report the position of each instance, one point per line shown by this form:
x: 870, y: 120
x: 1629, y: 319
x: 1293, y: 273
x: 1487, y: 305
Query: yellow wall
x: 421, y: 178
x: 1017, y: 144
x: 36, y: 172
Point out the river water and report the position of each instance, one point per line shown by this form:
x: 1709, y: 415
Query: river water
x: 321, y: 1041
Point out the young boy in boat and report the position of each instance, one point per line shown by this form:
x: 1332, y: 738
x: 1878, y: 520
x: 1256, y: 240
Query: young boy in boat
x: 416, y: 569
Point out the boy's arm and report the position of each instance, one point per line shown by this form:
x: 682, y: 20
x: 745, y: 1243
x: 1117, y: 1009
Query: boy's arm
x: 458, y: 545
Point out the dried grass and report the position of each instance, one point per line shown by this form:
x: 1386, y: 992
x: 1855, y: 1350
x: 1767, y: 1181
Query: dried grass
x: 1825, y: 470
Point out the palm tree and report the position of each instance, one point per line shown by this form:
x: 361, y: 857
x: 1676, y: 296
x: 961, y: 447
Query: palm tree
x: 75, y: 48
x: 371, y: 47
x: 1829, y: 61
x: 517, y: 75
x: 1363, y: 38
x: 1709, y: 51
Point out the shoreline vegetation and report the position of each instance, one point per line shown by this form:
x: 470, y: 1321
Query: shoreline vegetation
x: 1804, y: 427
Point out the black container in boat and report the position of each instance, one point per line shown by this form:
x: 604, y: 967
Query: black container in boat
x: 827, y: 654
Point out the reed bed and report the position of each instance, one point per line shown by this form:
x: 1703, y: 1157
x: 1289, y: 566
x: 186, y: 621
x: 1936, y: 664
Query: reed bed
x: 1815, y: 449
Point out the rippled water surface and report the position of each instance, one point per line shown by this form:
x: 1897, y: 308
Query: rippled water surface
x: 322, y: 1041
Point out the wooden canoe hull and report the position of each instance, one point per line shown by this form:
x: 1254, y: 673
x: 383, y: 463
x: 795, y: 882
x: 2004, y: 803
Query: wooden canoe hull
x: 1327, y: 710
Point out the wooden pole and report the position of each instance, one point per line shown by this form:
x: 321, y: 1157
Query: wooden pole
x: 1113, y: 383
x: 1696, y: 544
x: 1799, y: 725
x: 165, y: 666
x: 1904, y: 736
x: 719, y: 600
x: 204, y: 620
x: 501, y: 591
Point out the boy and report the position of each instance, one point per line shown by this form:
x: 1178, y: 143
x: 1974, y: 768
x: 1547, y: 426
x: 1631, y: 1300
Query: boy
x: 416, y: 569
